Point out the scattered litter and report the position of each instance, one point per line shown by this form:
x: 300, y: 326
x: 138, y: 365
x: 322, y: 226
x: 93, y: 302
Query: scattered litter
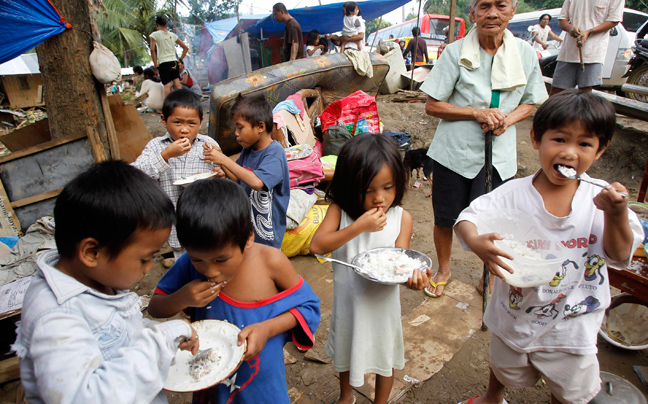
x: 462, y: 305
x: 144, y: 301
x: 168, y: 262
x: 419, y: 320
x: 410, y: 379
x: 417, y: 184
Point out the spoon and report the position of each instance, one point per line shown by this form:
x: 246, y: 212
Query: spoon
x: 570, y: 173
x: 357, y: 268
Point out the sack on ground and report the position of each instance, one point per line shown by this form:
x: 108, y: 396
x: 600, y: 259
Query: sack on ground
x: 104, y: 65
x: 350, y: 110
x: 297, y: 241
x: 298, y: 207
x: 334, y: 138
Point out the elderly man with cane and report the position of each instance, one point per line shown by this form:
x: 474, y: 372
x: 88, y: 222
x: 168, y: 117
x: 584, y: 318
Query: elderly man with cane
x: 485, y: 82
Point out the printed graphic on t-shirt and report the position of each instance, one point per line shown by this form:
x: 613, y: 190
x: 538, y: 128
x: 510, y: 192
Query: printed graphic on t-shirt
x: 262, y: 213
x: 584, y: 272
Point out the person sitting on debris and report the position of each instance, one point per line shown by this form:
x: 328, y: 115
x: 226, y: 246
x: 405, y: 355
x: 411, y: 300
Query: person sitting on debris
x: 226, y: 276
x: 82, y: 337
x: 188, y: 82
x: 164, y: 55
x: 179, y: 153
x: 153, y: 89
x: 365, y: 334
x: 550, y: 331
x: 313, y: 46
x: 354, y: 24
x: 262, y: 168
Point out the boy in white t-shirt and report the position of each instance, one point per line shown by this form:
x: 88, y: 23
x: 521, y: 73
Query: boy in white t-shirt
x: 353, y: 25
x: 550, y: 331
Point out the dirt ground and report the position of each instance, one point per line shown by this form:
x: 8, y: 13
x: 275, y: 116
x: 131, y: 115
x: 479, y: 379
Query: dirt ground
x: 466, y: 374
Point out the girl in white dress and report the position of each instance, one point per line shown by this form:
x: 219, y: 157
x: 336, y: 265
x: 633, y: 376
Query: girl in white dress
x: 365, y: 334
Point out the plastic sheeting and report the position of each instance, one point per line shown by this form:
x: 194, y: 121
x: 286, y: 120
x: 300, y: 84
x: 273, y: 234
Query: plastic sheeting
x: 327, y: 18
x: 25, y: 24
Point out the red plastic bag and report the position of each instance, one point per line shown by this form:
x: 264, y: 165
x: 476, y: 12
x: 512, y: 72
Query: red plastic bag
x: 351, y: 110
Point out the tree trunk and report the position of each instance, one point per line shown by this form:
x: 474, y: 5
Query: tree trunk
x: 72, y: 95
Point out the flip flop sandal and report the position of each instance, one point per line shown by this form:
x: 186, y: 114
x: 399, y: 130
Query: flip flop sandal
x: 337, y: 399
x: 435, y: 285
x: 473, y: 399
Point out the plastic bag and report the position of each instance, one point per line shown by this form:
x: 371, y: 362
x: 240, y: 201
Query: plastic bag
x: 297, y: 241
x: 104, y: 64
x: 350, y: 110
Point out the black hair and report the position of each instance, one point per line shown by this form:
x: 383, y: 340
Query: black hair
x: 543, y: 16
x: 350, y: 7
x: 360, y: 160
x: 254, y: 108
x: 181, y: 98
x: 279, y: 7
x: 212, y: 214
x: 138, y: 69
x: 595, y: 113
x: 148, y: 73
x: 312, y: 37
x: 109, y: 202
x: 161, y: 21
x: 416, y: 31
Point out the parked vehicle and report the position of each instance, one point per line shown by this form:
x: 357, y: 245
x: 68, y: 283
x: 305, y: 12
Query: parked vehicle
x: 622, y: 38
x: 638, y: 72
x: 434, y: 29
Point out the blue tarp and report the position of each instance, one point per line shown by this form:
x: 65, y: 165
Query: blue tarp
x: 326, y: 19
x: 221, y: 29
x: 25, y: 24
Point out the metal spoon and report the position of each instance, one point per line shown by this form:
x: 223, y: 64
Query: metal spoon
x: 570, y: 173
x: 357, y: 268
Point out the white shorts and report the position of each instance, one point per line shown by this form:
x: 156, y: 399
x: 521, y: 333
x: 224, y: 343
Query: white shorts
x: 573, y: 379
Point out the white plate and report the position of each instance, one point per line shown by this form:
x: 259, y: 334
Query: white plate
x: 190, y: 179
x: 390, y: 279
x: 222, y: 337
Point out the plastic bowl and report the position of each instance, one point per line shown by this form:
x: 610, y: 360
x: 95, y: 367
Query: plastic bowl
x: 537, y: 254
x: 630, y: 315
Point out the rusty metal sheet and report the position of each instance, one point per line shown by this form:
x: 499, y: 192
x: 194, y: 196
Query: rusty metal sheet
x: 334, y: 74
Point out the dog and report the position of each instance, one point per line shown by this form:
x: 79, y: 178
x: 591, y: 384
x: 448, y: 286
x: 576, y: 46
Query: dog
x: 416, y: 160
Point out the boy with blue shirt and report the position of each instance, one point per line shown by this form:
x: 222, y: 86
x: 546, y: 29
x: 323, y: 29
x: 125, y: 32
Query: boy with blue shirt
x: 261, y: 169
x: 225, y: 275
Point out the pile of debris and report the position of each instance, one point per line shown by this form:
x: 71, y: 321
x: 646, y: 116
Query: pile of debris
x: 11, y: 120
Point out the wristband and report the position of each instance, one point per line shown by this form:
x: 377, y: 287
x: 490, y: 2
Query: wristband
x: 591, y: 32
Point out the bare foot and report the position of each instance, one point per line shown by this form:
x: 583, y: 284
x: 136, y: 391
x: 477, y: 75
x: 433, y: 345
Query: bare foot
x: 439, y: 277
x: 480, y: 286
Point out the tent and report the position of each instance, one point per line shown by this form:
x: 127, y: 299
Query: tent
x: 327, y: 18
x: 27, y: 24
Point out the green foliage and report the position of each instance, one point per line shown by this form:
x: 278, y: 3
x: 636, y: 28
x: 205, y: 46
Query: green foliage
x: 443, y: 7
x: 209, y: 10
x: 372, y: 26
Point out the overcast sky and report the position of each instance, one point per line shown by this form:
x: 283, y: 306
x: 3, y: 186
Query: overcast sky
x: 265, y: 7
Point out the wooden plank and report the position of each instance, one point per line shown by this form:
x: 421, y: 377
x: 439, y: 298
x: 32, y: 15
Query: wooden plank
x: 28, y: 136
x: 95, y: 144
x: 132, y: 133
x: 36, y: 198
x: 22, y: 98
x: 9, y: 370
x: 110, y: 126
x: 9, y: 224
x: 40, y: 147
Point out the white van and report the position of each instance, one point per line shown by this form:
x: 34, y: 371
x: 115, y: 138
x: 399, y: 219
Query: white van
x: 622, y: 38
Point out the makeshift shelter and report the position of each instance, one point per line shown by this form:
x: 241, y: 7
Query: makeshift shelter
x: 325, y: 19
x: 22, y: 82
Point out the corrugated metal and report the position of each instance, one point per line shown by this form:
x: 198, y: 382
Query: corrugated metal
x: 23, y: 64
